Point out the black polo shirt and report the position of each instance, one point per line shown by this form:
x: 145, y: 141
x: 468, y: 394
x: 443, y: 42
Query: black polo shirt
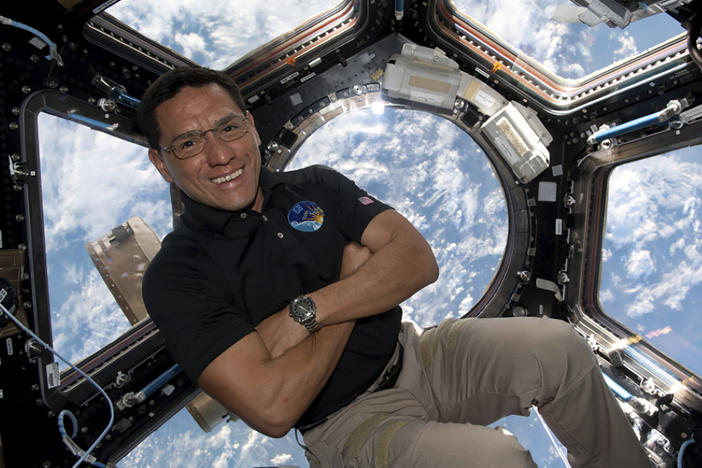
x: 221, y: 273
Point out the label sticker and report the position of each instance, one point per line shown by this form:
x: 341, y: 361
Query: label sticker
x: 365, y: 200
x: 306, y: 216
x: 53, y: 376
x: 10, y: 348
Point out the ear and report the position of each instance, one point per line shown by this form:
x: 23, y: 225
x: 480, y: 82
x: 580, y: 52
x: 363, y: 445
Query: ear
x: 157, y: 161
x: 253, y: 128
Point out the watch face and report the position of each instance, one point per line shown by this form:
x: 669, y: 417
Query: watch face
x: 303, y: 308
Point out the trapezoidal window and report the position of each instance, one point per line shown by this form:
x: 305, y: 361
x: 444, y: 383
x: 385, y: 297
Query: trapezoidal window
x: 549, y: 32
x: 92, y: 182
x: 214, y: 34
x: 652, y: 253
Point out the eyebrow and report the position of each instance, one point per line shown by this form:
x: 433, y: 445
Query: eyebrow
x: 216, y: 124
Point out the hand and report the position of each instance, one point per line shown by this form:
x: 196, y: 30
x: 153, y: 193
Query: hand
x: 279, y: 332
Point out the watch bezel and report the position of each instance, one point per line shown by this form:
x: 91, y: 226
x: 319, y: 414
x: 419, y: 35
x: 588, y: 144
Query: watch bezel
x: 305, y: 316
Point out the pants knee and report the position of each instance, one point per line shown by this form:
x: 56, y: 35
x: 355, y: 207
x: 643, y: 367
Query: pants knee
x: 563, y: 355
x: 447, y: 445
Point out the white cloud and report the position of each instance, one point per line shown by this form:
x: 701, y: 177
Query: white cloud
x: 651, y: 223
x: 627, y: 45
x: 282, y: 458
x: 88, y: 319
x: 640, y: 263
x: 212, y: 35
x: 91, y: 181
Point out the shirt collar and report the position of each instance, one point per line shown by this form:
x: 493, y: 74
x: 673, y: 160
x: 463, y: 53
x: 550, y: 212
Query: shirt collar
x: 199, y: 216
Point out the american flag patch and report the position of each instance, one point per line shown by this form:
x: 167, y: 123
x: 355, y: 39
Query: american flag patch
x: 366, y: 200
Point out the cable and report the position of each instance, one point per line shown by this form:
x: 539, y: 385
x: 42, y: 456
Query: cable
x: 552, y: 437
x: 682, y: 451
x: 109, y: 402
x: 53, y: 51
x: 70, y: 443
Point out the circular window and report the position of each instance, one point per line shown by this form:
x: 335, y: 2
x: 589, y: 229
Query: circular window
x: 433, y: 173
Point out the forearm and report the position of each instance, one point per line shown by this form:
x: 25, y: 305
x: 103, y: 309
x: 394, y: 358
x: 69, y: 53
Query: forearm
x: 301, y: 373
x: 401, y: 267
x: 272, y: 395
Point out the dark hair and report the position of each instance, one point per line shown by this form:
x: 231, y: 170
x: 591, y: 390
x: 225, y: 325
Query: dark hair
x: 169, y: 84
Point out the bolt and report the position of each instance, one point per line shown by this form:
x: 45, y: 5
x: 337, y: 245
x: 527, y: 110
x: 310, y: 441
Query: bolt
x: 34, y: 58
x: 14, y: 126
x: 16, y: 110
x: 26, y: 89
x: 15, y: 156
x: 649, y: 386
x: 107, y: 105
x: 35, y: 387
x: 32, y: 348
x: 53, y: 84
x: 6, y: 46
x: 563, y: 278
x: 568, y: 200
x: 27, y: 305
x: 524, y: 275
x: 63, y: 89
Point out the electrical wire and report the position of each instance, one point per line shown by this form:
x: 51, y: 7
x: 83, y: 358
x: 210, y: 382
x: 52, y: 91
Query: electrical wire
x: 555, y: 443
x: 681, y: 452
x: 85, y: 454
x: 53, y: 50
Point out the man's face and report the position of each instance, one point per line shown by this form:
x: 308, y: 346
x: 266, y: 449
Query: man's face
x: 207, y: 177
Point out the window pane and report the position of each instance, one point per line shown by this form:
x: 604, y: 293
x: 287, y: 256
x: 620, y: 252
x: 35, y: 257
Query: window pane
x: 91, y: 183
x: 432, y: 172
x: 652, y: 254
x: 570, y: 50
x: 214, y: 33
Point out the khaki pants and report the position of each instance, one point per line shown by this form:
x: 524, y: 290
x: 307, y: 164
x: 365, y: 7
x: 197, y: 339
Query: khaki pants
x: 463, y: 374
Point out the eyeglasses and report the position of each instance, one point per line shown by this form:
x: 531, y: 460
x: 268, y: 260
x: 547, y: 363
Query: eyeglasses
x: 192, y: 143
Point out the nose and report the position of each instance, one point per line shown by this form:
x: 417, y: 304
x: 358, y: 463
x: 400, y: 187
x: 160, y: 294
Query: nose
x: 217, y: 152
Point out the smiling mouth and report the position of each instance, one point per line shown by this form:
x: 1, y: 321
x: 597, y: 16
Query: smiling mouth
x: 228, y: 177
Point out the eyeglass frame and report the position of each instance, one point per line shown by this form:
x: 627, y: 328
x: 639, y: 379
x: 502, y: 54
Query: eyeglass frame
x: 246, y: 125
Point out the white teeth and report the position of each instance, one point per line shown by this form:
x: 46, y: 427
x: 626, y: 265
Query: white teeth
x: 227, y: 178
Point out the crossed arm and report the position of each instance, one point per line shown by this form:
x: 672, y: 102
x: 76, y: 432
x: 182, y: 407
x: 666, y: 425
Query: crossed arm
x: 270, y: 377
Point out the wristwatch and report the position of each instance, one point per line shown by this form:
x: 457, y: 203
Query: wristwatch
x: 304, y: 312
